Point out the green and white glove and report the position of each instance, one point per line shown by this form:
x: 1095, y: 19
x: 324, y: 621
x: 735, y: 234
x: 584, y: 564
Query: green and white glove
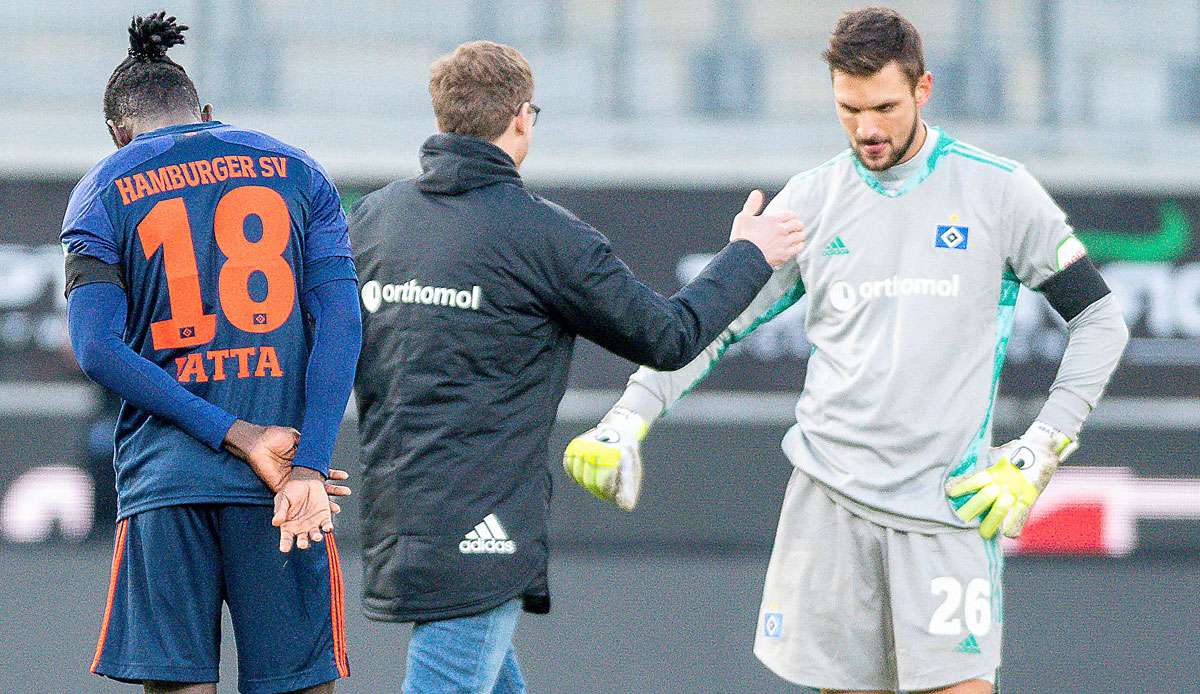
x: 607, y: 460
x: 1004, y: 493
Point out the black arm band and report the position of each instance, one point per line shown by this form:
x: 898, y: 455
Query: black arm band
x: 84, y: 269
x: 1076, y: 287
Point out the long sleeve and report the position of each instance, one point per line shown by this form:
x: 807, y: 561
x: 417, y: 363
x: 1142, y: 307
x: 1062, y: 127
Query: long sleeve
x: 1096, y: 340
x: 597, y: 295
x: 650, y: 393
x: 1046, y: 255
x: 96, y: 319
x: 332, y: 305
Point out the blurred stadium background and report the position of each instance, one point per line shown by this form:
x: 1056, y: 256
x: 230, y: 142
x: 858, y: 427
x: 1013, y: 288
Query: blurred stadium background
x: 657, y: 117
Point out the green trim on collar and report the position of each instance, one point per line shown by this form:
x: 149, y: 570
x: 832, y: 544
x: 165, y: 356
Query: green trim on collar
x: 941, y: 146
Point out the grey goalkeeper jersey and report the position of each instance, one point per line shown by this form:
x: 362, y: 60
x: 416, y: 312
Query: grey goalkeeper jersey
x: 912, y: 276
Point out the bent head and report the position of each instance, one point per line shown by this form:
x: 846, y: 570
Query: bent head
x: 148, y: 90
x: 877, y: 66
x: 484, y: 90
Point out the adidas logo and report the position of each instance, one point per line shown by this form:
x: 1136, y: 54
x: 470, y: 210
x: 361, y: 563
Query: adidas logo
x: 969, y: 645
x: 836, y: 247
x: 487, y: 538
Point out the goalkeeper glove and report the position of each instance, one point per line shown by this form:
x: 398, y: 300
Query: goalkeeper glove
x: 1004, y: 492
x: 607, y: 460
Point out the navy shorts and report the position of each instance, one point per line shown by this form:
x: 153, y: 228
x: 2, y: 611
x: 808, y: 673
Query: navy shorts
x: 173, y: 567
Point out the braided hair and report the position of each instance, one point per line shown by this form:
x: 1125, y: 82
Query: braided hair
x: 148, y: 83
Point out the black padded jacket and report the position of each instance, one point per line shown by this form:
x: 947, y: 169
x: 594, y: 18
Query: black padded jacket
x: 473, y: 292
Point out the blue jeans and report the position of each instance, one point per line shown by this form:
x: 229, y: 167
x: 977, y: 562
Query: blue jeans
x: 467, y: 655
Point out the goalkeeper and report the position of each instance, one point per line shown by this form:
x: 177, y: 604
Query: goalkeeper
x: 886, y: 573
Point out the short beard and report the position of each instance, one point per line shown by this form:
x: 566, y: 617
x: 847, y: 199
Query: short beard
x: 897, y: 154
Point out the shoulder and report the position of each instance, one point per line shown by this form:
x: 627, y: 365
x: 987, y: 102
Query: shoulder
x: 90, y: 186
x: 542, y: 226
x: 1013, y: 188
x: 375, y: 214
x: 817, y: 179
x: 262, y: 141
x: 1019, y: 186
x: 522, y: 211
x: 551, y: 220
x: 116, y: 165
x: 86, y: 206
x: 1007, y: 181
x: 823, y: 171
x: 382, y: 198
x: 975, y: 158
x: 552, y: 213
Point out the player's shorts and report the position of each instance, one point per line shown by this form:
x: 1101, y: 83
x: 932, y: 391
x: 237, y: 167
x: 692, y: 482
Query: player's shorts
x: 849, y: 604
x: 174, y: 566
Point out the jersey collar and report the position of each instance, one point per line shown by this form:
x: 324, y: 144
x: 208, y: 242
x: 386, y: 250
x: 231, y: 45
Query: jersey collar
x: 902, y: 178
x: 179, y: 129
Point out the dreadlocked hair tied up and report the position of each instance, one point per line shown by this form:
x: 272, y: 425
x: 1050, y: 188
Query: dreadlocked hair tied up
x: 148, y: 82
x: 150, y: 37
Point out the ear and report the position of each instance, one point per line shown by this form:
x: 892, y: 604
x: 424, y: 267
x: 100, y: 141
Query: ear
x: 119, y: 133
x: 523, y: 121
x: 924, y: 89
x: 206, y: 113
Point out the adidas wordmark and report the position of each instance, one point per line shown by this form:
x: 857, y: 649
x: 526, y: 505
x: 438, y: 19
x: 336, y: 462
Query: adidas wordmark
x: 488, y: 537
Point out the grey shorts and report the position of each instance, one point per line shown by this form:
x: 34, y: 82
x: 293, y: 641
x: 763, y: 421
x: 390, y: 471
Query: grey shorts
x: 849, y: 604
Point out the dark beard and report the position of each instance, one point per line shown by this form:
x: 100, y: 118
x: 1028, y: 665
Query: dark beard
x: 897, y: 154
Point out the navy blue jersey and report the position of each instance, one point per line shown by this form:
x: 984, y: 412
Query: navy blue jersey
x: 212, y: 227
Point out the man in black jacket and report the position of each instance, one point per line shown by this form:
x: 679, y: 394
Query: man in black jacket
x: 474, y: 290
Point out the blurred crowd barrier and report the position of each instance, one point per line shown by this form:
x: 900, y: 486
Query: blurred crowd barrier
x: 635, y: 91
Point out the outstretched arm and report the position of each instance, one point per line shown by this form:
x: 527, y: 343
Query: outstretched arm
x: 597, y: 295
x: 650, y: 393
x: 607, y: 460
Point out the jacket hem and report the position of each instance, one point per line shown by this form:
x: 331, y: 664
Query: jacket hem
x: 377, y: 613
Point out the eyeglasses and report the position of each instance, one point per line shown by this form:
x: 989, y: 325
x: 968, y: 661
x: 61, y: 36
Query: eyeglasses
x: 533, y: 108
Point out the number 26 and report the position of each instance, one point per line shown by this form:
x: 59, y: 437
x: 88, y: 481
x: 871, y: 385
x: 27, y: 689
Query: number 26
x: 977, y: 608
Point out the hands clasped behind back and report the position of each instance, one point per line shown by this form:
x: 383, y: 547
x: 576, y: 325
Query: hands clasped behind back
x: 300, y: 513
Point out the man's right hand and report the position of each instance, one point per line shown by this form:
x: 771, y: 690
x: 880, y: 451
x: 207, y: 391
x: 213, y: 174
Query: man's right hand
x: 779, y: 235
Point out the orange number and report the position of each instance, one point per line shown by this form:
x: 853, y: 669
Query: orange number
x: 247, y: 257
x: 167, y: 227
